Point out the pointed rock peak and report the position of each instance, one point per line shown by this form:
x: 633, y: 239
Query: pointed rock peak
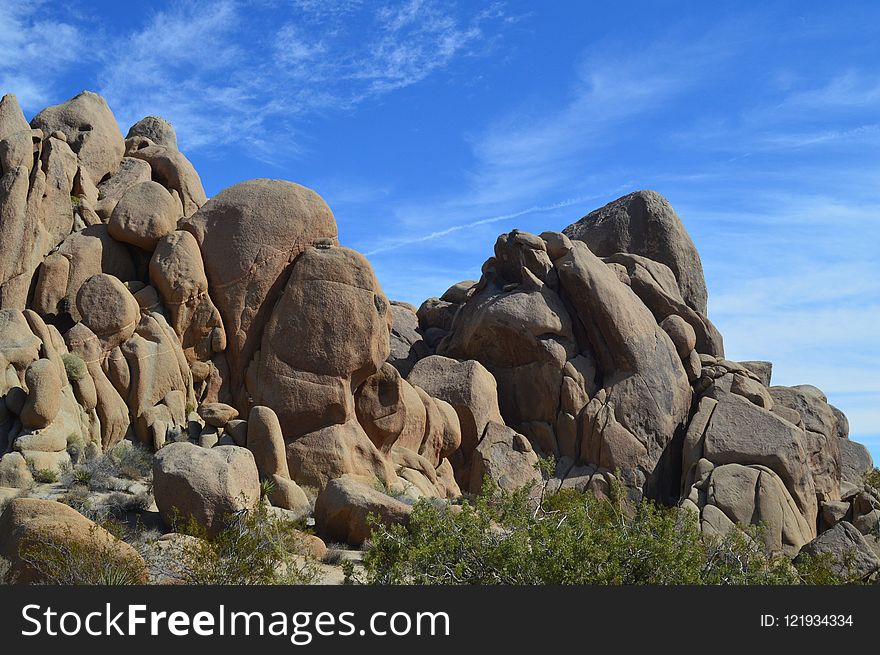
x: 12, y: 119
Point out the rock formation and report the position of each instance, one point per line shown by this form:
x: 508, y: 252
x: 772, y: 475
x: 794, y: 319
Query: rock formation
x: 238, y: 339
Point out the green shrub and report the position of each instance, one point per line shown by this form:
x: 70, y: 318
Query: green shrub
x: 872, y: 478
x: 74, y: 366
x: 59, y: 560
x: 256, y: 548
x: 131, y: 460
x: 81, y: 476
x: 570, y: 538
x: 46, y: 476
x: 267, y: 486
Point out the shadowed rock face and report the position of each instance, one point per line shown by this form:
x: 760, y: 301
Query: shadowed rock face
x: 644, y: 223
x: 134, y: 308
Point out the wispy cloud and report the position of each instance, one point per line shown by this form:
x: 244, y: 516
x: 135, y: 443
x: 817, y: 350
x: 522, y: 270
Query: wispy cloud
x: 28, y: 39
x: 394, y: 244
x: 230, y: 73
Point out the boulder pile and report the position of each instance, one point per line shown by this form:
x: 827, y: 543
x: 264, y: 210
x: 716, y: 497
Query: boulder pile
x: 239, y: 341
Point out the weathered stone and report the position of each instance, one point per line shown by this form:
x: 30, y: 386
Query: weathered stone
x: 156, y: 129
x: 207, y: 485
x: 143, y: 215
x: 92, y: 132
x: 271, y: 222
x: 170, y: 169
x: 763, y: 370
x: 643, y: 223
x: 44, y: 394
x: 108, y: 309
x: 310, y: 386
x: 341, y: 510
x: 852, y: 557
x: 28, y: 523
x: 217, y: 414
x: 855, y: 461
x: 178, y: 273
x: 467, y: 386
x: 505, y: 458
x: 739, y: 432
x: 329, y: 453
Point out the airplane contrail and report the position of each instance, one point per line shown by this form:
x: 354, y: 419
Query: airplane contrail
x: 394, y: 245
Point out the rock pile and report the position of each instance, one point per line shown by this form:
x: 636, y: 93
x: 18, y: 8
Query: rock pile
x: 238, y: 339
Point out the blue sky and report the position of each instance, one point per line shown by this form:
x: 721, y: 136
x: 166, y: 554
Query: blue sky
x: 431, y: 127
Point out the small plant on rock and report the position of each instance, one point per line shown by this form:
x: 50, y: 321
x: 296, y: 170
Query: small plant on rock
x: 46, y: 476
x: 74, y: 366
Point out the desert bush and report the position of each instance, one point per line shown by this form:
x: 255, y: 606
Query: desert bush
x: 256, y: 548
x: 132, y: 460
x: 74, y: 366
x: 872, y: 478
x: 126, y: 460
x: 59, y: 560
x: 569, y: 538
x: 81, y: 476
x: 46, y: 476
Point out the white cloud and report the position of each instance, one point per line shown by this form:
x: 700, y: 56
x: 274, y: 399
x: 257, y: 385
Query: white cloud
x: 33, y: 50
x: 228, y: 73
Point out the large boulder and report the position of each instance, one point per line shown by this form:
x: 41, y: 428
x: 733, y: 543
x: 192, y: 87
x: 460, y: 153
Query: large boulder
x: 80, y: 256
x: 467, y: 386
x: 269, y: 223
x: 29, y: 526
x: 206, y: 484
x: 172, y: 170
x: 156, y: 129
x: 108, y: 309
x: 855, y: 461
x: 266, y: 441
x: 143, y: 215
x: 331, y: 452
x: 851, y: 557
x: 334, y: 310
x: 644, y: 223
x: 820, y: 434
x: 91, y: 130
x: 178, y: 274
x: 505, y: 458
x: 342, y: 508
x: 12, y: 119
x: 132, y: 171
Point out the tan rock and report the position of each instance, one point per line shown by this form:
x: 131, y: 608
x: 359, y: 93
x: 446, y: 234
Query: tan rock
x: 131, y: 172
x: 44, y: 394
x: 92, y: 132
x: 505, y: 458
x: 467, y: 386
x: 341, y: 510
x: 217, y: 414
x: 108, y: 309
x: 143, y: 215
x: 336, y: 313
x: 271, y: 222
x: 178, y: 273
x: 208, y: 485
x: 172, y: 170
x: 316, y: 458
x: 28, y: 523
